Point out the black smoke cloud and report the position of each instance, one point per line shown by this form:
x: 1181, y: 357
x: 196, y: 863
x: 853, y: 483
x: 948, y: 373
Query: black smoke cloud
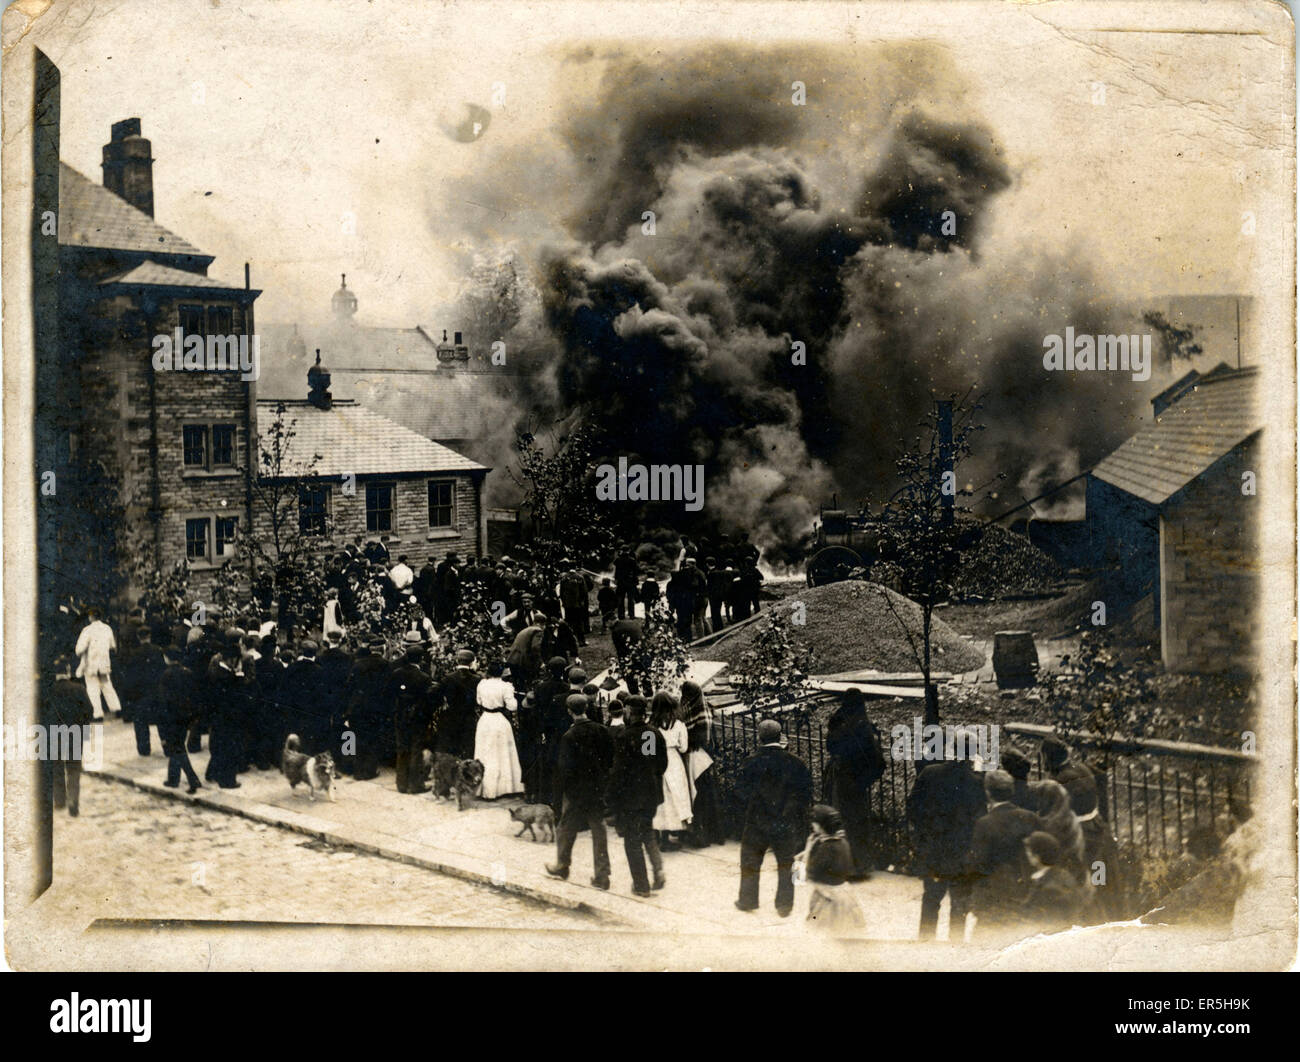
x: 778, y: 225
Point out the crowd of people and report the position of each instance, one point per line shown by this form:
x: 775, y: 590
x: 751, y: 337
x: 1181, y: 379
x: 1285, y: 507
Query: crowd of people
x: 1013, y: 851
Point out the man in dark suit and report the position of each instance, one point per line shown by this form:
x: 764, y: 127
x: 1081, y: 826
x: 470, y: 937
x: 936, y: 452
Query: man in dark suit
x: 304, y: 697
x: 139, y: 681
x: 552, y: 720
x: 335, y: 666
x: 626, y: 571
x: 998, y: 862
x: 581, y: 774
x: 228, y: 701
x: 426, y: 584
x: 946, y: 801
x: 364, y: 696
x: 459, y: 718
x: 66, y: 716
x: 857, y: 762
x: 775, y: 789
x: 410, y: 692
x: 635, y: 791
x: 175, y: 707
x: 575, y: 596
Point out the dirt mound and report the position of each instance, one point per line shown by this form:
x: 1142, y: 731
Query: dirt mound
x: 1004, y: 564
x: 852, y: 626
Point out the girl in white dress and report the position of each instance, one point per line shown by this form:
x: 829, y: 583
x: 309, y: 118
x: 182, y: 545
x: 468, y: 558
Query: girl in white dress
x: 494, y: 738
x: 674, y: 814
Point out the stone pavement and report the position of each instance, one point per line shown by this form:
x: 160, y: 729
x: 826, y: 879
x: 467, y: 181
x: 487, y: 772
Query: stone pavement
x: 479, y: 845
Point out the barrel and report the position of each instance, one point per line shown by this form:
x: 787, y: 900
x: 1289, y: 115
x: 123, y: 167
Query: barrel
x: 1015, y: 658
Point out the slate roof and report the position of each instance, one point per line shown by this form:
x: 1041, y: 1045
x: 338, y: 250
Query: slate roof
x: 1208, y: 422
x: 352, y: 438
x: 152, y: 274
x: 92, y: 216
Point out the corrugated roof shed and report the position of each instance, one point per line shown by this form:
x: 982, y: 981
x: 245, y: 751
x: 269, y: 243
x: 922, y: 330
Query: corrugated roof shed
x: 1204, y: 425
x: 92, y: 216
x: 351, y: 438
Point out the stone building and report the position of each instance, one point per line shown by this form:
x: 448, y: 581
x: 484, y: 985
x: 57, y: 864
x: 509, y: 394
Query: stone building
x: 172, y: 441
x: 374, y: 478
x: 1174, y: 510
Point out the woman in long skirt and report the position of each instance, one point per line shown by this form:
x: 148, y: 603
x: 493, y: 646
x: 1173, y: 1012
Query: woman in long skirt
x: 828, y: 862
x: 674, y: 814
x: 706, y: 816
x: 494, y: 738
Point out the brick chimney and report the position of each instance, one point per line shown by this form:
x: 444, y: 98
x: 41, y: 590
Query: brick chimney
x: 128, y: 165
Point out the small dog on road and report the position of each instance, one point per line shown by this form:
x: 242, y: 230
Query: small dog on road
x: 535, y: 815
x: 450, y: 775
x: 316, y: 771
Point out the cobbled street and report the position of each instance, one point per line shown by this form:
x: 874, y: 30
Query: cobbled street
x: 132, y: 855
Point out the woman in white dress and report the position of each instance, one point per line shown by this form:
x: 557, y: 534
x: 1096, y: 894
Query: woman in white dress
x: 494, y: 738
x: 674, y: 814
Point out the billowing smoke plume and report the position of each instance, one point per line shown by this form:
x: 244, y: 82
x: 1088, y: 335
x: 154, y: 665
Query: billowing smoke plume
x: 815, y: 275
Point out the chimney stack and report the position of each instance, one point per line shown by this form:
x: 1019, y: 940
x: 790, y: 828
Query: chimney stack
x: 128, y: 165
x: 318, y: 385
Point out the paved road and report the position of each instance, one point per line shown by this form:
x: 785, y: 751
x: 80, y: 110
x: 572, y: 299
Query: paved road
x: 134, y: 855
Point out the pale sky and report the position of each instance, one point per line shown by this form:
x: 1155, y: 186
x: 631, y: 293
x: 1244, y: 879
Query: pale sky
x: 1137, y: 151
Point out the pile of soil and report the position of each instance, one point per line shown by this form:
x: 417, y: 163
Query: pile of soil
x: 1005, y: 564
x: 851, y: 626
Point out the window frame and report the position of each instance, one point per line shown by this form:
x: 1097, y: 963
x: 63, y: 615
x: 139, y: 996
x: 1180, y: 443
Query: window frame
x: 391, y: 510
x: 210, y: 519
x: 325, y: 511
x: 204, y: 431
x: 450, y: 484
x: 210, y: 465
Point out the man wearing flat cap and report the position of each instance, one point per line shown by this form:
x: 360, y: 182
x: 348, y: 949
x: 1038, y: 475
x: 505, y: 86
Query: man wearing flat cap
x: 581, y: 773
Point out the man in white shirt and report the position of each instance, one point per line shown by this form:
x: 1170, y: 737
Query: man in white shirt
x: 94, y: 646
x: 401, y: 574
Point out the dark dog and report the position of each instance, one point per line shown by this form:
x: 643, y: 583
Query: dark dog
x: 316, y: 771
x: 450, y: 775
x: 538, y: 815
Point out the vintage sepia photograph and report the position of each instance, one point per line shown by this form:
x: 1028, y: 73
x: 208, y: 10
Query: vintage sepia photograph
x: 573, y: 486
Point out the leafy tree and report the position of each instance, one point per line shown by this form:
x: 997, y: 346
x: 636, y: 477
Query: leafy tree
x: 560, y: 497
x: 774, y: 670
x: 922, y: 530
x: 1099, y: 691
x: 659, y: 659
x: 475, y: 627
x: 279, y: 546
